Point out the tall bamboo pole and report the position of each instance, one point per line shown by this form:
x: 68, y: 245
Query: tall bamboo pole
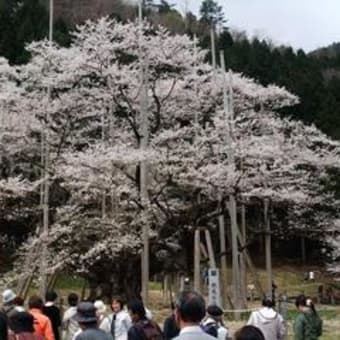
x: 143, y: 166
x: 45, y: 198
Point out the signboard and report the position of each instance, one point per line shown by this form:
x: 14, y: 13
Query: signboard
x: 214, y: 287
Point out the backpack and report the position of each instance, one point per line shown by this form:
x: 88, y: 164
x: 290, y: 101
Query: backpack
x: 211, y: 328
x: 149, y: 330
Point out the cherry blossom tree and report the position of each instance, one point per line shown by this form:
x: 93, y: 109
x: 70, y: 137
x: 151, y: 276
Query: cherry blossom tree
x: 94, y: 128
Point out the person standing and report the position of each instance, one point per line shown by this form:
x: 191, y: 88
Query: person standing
x: 52, y: 312
x: 249, y: 332
x: 87, y: 319
x: 100, y: 311
x: 42, y: 324
x: 213, y: 324
x: 3, y: 326
x: 118, y: 323
x: 189, y: 312
x: 308, y: 325
x: 142, y: 328
x: 170, y: 328
x: 270, y: 322
x: 8, y: 299
x: 70, y: 325
x: 21, y: 326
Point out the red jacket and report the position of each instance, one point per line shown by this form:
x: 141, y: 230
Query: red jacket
x: 42, y: 324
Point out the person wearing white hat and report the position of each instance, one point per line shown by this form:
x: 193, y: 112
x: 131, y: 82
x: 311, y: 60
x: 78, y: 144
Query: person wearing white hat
x: 8, y: 297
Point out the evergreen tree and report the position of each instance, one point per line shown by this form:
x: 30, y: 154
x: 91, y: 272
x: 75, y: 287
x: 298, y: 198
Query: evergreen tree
x: 22, y: 22
x: 212, y: 13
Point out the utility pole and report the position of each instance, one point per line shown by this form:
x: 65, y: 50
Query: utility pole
x: 144, y: 135
x: 46, y: 190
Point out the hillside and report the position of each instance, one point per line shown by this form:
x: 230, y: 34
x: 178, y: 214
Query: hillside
x: 331, y: 51
x: 77, y: 11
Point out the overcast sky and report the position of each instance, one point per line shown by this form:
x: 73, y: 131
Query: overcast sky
x: 306, y: 24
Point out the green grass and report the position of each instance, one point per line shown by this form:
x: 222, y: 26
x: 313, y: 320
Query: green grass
x: 324, y: 314
x: 65, y: 282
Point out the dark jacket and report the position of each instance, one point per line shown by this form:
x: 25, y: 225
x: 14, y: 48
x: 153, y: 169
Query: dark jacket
x: 53, y: 313
x: 92, y: 334
x: 3, y: 326
x: 170, y: 329
x: 145, y: 329
x: 308, y: 326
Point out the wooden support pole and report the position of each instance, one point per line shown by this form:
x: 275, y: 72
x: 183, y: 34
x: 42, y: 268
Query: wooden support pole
x: 250, y: 264
x: 268, y: 245
x: 223, y: 259
x: 212, y: 261
x: 144, y: 132
x: 303, y: 250
x: 204, y: 251
x: 197, y: 261
x: 213, y: 53
x: 46, y: 193
x: 234, y: 247
x: 243, y: 265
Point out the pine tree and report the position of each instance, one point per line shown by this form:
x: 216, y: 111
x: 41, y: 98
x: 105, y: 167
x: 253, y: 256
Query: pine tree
x: 212, y: 13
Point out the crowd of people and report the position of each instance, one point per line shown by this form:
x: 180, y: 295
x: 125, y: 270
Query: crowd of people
x: 190, y: 320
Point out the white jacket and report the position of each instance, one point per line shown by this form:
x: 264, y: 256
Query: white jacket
x: 270, y: 322
x: 122, y: 325
x: 70, y: 325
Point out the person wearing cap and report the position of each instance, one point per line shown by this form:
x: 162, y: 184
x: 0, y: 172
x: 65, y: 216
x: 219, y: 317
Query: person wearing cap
x: 270, y: 322
x: 117, y: 324
x: 189, y: 312
x: 8, y: 298
x: 87, y: 319
x: 42, y: 324
x: 213, y: 323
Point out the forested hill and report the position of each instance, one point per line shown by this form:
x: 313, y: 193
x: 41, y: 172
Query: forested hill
x: 313, y: 77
